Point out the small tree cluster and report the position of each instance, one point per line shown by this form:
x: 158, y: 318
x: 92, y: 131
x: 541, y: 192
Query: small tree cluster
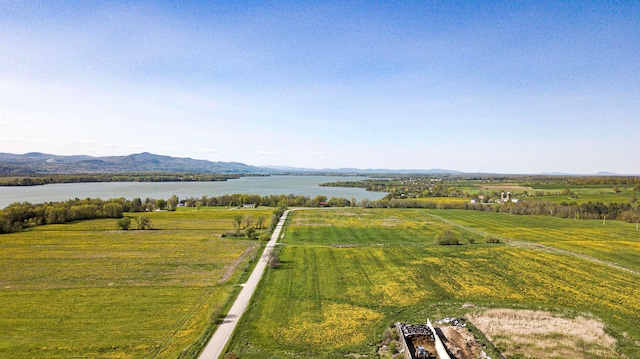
x: 273, y: 259
x: 142, y: 223
x: 447, y: 238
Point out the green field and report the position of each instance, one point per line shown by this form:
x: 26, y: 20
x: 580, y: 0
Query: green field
x: 85, y: 290
x: 347, y: 274
x: 612, y: 241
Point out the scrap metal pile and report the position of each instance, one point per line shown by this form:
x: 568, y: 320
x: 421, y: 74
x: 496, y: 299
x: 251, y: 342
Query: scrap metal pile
x: 417, y: 330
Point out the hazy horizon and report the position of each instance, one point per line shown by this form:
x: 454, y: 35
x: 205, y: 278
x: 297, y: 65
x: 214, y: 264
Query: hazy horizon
x: 492, y: 87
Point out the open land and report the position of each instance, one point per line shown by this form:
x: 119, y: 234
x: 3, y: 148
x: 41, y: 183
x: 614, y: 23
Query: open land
x: 87, y: 290
x: 348, y: 274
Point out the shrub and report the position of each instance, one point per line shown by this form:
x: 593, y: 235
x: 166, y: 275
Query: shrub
x: 393, y: 347
x: 143, y: 222
x: 493, y: 239
x: 388, y: 335
x: 274, y: 259
x: 124, y: 223
x: 447, y: 238
x: 232, y: 234
x: 250, y: 232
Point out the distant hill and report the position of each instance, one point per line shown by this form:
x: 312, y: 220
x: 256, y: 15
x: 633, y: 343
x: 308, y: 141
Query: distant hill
x: 42, y: 163
x: 357, y: 171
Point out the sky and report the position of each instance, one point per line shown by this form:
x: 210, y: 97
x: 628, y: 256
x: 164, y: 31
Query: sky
x: 486, y: 86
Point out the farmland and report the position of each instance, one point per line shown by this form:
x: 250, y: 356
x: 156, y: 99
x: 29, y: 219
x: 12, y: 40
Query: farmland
x: 487, y: 189
x: 347, y: 274
x: 87, y: 290
x: 613, y: 241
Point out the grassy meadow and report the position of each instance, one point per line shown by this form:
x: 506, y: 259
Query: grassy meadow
x: 550, y: 192
x: 612, y: 241
x: 86, y: 290
x: 348, y: 274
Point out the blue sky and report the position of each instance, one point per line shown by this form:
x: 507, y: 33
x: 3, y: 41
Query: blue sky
x: 508, y: 87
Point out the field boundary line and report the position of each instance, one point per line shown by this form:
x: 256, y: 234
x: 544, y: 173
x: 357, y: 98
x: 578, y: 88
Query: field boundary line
x: 537, y: 246
x: 237, y: 262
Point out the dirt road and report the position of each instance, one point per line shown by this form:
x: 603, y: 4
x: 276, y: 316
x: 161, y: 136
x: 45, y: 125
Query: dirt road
x: 221, y: 336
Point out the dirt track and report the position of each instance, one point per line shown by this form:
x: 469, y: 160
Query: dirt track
x: 221, y: 336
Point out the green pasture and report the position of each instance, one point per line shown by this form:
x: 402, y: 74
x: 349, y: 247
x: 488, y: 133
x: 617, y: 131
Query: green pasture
x: 613, y: 241
x: 582, y: 197
x: 551, y: 192
x: 348, y: 274
x: 86, y: 290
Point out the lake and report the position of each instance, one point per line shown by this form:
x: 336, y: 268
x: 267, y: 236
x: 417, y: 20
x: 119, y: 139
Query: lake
x: 263, y: 186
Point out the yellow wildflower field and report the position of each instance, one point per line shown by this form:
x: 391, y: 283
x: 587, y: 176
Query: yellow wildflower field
x: 379, y: 266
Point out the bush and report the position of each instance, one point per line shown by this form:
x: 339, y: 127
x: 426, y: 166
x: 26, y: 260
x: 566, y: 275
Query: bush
x: 250, y: 232
x: 493, y: 239
x: 388, y: 335
x: 447, y: 238
x: 124, y: 223
x: 143, y: 222
x: 274, y: 259
x: 232, y: 234
x: 393, y: 347
x: 230, y: 356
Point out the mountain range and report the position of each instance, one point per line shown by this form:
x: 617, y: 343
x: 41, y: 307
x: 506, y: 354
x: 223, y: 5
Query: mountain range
x: 42, y: 163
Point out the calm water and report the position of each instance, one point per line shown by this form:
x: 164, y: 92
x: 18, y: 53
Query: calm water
x: 297, y: 185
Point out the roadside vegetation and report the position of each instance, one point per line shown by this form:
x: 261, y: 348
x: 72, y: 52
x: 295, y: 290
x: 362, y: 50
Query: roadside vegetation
x: 347, y: 274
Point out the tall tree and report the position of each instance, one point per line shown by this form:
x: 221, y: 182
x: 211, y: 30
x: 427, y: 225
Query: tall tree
x: 172, y: 202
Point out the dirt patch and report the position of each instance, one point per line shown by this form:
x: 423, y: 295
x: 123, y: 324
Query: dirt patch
x: 540, y: 334
x: 460, y: 343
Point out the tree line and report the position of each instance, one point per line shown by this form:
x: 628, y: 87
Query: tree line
x: 37, y: 180
x: 21, y: 215
x: 589, y: 210
x: 426, y: 186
